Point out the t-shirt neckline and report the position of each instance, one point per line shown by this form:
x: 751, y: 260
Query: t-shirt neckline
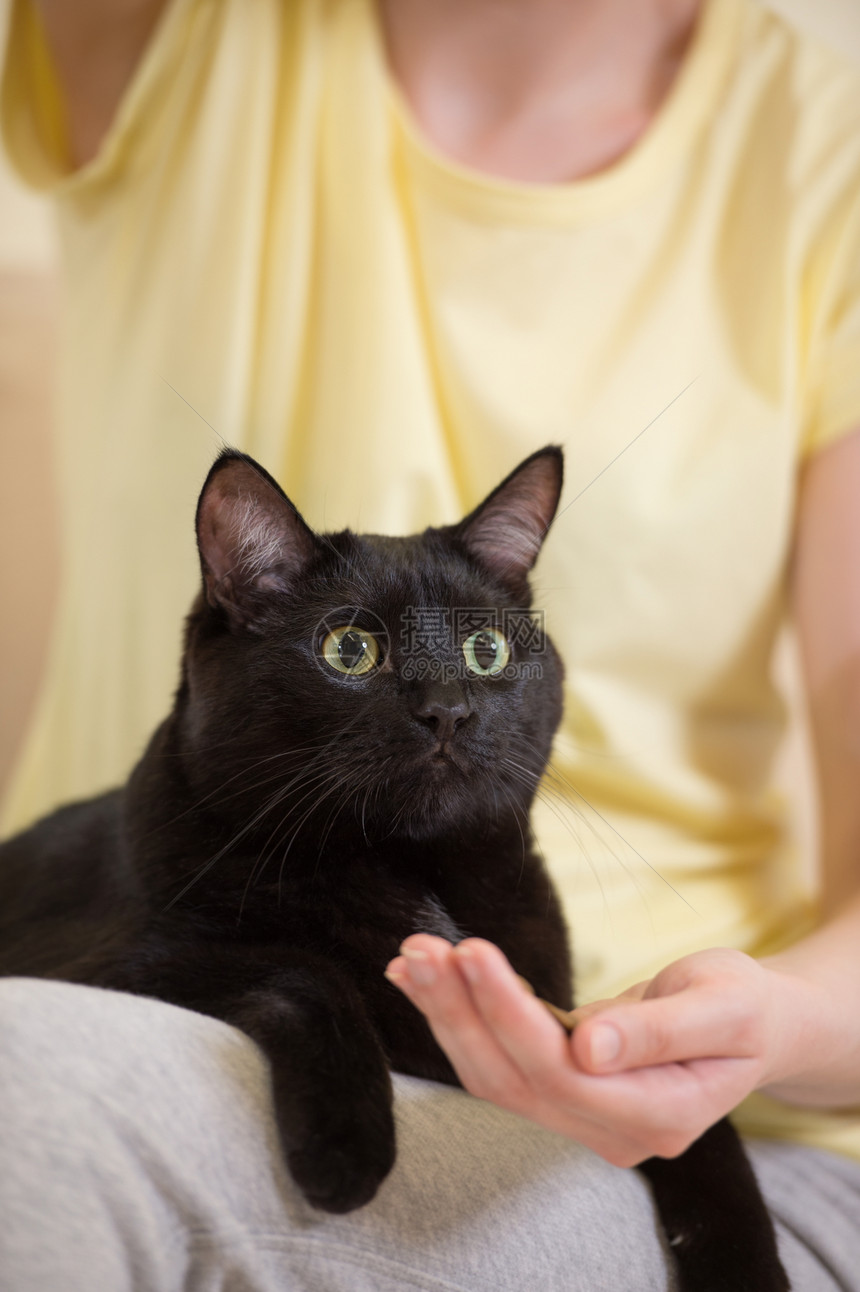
x: 690, y: 103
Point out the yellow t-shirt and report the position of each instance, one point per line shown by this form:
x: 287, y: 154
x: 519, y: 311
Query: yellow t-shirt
x: 265, y: 249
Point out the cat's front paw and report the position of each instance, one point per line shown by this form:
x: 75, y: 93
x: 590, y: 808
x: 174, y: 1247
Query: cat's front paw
x: 340, y: 1173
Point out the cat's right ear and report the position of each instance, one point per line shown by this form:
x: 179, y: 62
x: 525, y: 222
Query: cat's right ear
x: 251, y: 539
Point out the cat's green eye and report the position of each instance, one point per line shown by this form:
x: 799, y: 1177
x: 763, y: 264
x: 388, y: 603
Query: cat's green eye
x: 351, y: 650
x: 487, y: 652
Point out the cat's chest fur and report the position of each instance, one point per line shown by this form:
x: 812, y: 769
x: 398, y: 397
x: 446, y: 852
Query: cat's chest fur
x: 352, y: 904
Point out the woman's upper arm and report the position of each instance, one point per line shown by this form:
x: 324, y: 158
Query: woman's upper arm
x: 826, y: 596
x: 96, y: 46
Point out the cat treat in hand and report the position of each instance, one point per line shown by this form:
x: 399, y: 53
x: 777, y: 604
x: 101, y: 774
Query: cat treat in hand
x: 359, y: 729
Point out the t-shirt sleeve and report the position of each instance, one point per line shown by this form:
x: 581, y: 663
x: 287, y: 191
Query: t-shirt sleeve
x: 31, y: 104
x: 32, y: 116
x: 833, y: 400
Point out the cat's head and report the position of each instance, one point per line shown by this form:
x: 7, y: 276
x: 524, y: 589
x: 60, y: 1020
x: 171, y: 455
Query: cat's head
x: 396, y: 686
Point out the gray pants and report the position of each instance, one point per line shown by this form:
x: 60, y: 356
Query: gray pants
x: 138, y: 1151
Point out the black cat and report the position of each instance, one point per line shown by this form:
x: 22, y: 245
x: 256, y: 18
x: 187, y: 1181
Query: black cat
x: 358, y: 733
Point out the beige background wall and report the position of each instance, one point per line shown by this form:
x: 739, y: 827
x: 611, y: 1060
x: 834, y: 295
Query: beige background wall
x: 28, y: 541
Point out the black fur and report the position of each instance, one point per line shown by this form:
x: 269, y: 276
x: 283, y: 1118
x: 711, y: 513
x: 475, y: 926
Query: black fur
x: 289, y: 825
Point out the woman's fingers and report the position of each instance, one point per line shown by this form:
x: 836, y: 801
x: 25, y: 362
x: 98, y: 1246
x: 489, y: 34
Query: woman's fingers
x: 706, y: 1007
x: 523, y: 1027
x: 675, y: 1029
x: 427, y: 974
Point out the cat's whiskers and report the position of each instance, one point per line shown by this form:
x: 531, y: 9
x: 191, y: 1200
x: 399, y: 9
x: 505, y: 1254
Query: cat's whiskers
x: 557, y: 799
x: 375, y: 784
x: 249, y: 825
x: 397, y: 818
x: 558, y: 802
x: 301, y: 778
x: 270, y: 804
x: 550, y: 792
x: 380, y: 785
x: 515, y: 809
x: 320, y: 747
x: 325, y: 783
x: 557, y: 805
x: 304, y: 780
x: 336, y: 783
x: 278, y: 779
x: 553, y: 771
x: 350, y: 792
x: 244, y: 771
x: 363, y: 810
x: 198, y: 803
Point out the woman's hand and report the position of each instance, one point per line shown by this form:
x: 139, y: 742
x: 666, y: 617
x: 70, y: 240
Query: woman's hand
x: 710, y: 1028
x: 643, y: 1074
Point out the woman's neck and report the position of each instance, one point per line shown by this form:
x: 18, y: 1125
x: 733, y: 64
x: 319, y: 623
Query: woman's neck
x: 539, y: 91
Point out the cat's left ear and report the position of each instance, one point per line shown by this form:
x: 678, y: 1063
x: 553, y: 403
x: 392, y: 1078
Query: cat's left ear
x: 251, y: 539
x: 505, y: 533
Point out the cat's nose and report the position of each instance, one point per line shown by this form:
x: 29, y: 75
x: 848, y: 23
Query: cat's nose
x: 443, y: 706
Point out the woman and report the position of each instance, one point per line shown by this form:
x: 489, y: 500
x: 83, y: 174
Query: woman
x: 382, y: 249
